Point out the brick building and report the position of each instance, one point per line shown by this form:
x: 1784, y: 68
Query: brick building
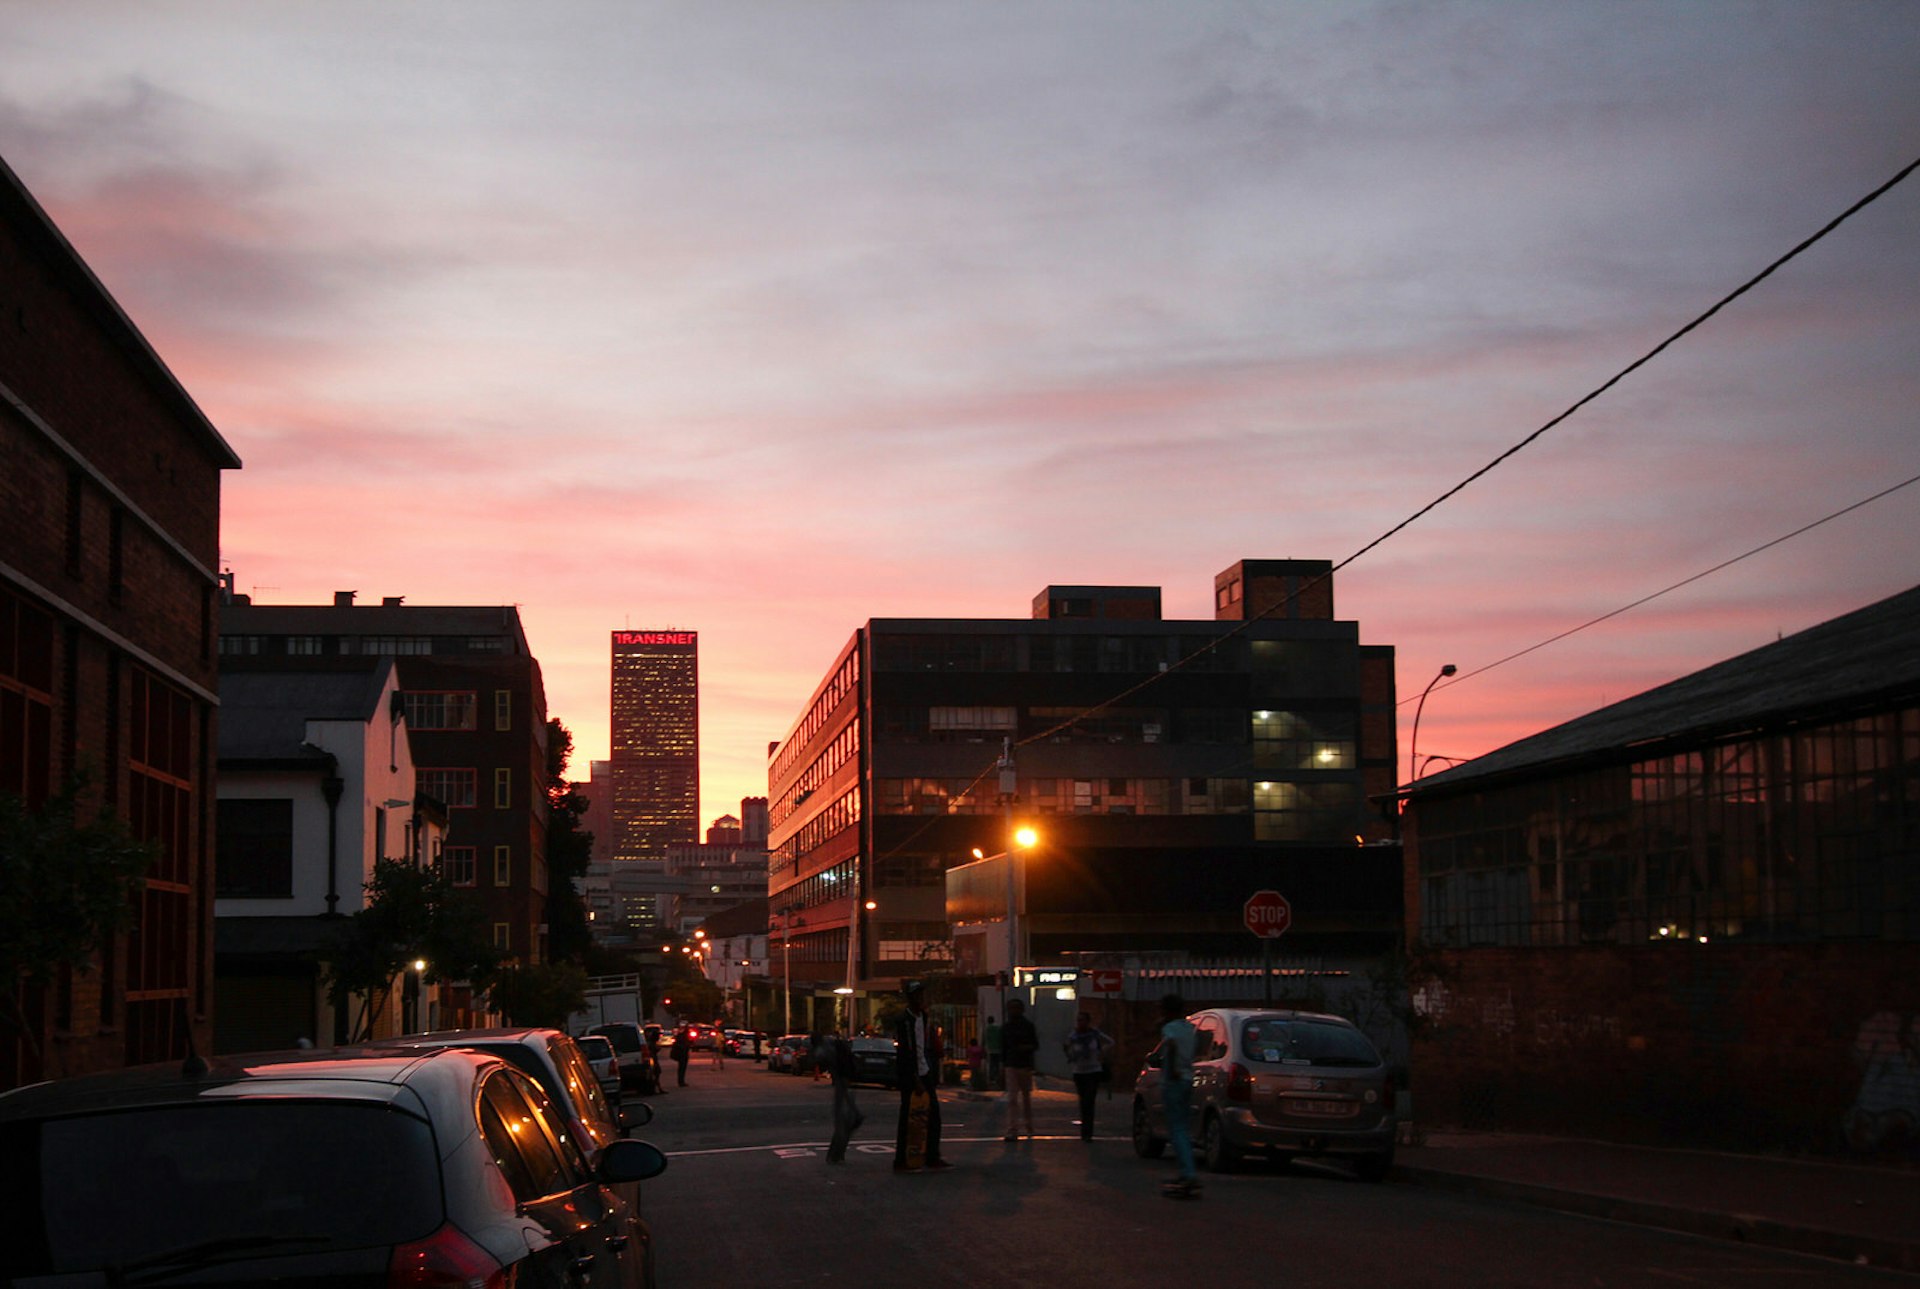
x: 109, y: 535
x: 1171, y: 767
x: 1691, y: 915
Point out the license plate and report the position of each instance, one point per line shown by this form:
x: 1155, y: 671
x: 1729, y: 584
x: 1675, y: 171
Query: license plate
x: 1319, y: 1109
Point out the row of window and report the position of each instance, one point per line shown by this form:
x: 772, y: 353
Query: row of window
x: 457, y: 787
x: 845, y: 678
x: 254, y: 854
x: 455, y: 709
x: 243, y: 645
x: 1808, y: 835
x: 1278, y: 740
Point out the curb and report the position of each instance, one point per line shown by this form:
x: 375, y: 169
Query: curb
x: 1739, y: 1228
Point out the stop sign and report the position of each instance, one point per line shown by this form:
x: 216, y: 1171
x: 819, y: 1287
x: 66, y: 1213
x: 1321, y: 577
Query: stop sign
x: 1268, y: 915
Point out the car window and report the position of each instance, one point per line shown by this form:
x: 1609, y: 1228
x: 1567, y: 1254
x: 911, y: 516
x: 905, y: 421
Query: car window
x: 518, y: 1137
x: 595, y: 1048
x: 87, y: 1192
x: 1306, y: 1042
x: 1209, y: 1039
x: 582, y: 1086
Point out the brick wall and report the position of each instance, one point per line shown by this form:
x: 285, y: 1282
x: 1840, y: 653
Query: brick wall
x: 1770, y: 1046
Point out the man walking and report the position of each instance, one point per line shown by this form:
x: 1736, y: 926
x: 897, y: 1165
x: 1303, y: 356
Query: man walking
x: 917, y: 1070
x: 682, y: 1050
x: 1088, y: 1051
x: 835, y: 1055
x: 1176, y: 1090
x: 1019, y: 1040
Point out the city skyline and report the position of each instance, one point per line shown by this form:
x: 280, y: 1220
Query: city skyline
x: 765, y: 322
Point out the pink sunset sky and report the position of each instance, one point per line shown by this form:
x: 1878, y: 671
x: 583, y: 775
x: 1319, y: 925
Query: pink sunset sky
x: 764, y: 319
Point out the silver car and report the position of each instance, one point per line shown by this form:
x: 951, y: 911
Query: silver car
x: 1283, y: 1083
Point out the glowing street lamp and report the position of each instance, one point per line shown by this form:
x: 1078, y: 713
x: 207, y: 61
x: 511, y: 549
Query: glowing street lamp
x: 1023, y: 839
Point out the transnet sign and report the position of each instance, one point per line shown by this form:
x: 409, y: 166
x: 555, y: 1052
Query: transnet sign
x: 656, y: 637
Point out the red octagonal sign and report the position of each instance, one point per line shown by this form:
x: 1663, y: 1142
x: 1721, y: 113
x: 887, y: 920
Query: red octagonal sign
x: 1268, y: 914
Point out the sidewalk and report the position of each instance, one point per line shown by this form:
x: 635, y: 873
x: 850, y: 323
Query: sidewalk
x: 1856, y: 1213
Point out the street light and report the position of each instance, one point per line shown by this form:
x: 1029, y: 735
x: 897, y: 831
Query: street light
x: 1413, y: 744
x: 786, y: 971
x: 1024, y: 838
x: 853, y: 934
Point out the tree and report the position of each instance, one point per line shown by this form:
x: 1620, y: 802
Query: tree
x: 544, y: 994
x: 67, y: 886
x: 410, y: 913
x: 569, y: 851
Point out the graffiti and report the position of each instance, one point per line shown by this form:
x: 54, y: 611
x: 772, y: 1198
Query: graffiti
x: 1887, y: 1110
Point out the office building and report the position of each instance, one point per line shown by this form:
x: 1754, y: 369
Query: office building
x: 1171, y: 767
x: 655, y: 759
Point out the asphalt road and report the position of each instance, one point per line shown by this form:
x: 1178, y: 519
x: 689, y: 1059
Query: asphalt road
x: 749, y: 1199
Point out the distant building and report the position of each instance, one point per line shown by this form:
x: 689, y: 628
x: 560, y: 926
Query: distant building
x: 476, y: 712
x: 109, y: 537
x: 655, y: 742
x: 1693, y: 915
x: 1172, y: 768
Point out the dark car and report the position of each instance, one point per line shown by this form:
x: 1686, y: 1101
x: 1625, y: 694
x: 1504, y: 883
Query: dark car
x: 874, y: 1061
x: 746, y: 1044
x: 639, y: 1050
x: 1284, y: 1083
x: 354, y: 1167
x: 791, y: 1054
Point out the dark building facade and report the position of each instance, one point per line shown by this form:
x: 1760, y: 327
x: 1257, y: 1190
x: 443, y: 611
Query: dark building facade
x: 655, y: 735
x: 476, y: 718
x: 1691, y: 915
x: 109, y: 536
x: 1172, y: 768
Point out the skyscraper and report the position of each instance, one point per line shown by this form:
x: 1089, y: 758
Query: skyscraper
x: 656, y: 742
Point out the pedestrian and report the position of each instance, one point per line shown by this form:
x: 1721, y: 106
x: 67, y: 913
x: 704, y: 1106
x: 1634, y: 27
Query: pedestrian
x: 976, y: 1057
x: 990, y: 1040
x: 1088, y: 1051
x: 835, y: 1055
x: 1176, y: 1089
x: 719, y: 1046
x: 917, y: 1071
x: 1018, y: 1043
x: 682, y: 1049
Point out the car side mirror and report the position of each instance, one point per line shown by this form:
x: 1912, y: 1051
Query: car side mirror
x: 637, y: 1114
x: 1153, y: 1060
x: 629, y: 1161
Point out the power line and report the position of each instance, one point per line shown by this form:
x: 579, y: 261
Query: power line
x: 1685, y: 581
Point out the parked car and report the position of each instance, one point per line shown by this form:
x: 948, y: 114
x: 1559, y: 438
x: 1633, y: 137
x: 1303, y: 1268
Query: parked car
x: 639, y: 1051
x: 554, y: 1061
x: 352, y: 1166
x: 747, y: 1044
x: 791, y: 1054
x: 873, y: 1061
x: 605, y: 1063
x: 1281, y: 1082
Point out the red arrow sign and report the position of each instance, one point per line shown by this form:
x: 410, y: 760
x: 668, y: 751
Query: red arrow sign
x: 1100, y: 980
x: 1268, y: 915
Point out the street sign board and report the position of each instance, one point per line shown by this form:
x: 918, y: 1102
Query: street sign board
x: 1103, y: 981
x: 1268, y: 915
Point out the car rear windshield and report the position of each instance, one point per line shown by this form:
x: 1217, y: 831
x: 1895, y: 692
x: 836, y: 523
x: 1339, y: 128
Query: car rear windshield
x: 1306, y: 1042
x: 293, y: 1177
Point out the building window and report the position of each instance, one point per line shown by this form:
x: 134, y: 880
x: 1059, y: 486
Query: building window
x: 1319, y: 812
x: 441, y: 710
x: 486, y: 644
x: 304, y: 646
x: 76, y: 497
x: 1304, y: 740
x: 117, y: 555
x: 503, y: 866
x: 453, y: 788
x: 254, y: 855
x: 240, y: 646
x: 396, y: 645
x: 503, y: 936
x: 502, y: 788
x: 503, y: 709
x: 972, y: 720
x: 459, y: 864
x: 26, y: 700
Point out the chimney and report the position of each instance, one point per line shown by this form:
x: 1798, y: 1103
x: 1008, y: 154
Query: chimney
x: 344, y: 599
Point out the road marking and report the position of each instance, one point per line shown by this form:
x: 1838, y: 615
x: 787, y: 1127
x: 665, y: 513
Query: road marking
x: 806, y: 1149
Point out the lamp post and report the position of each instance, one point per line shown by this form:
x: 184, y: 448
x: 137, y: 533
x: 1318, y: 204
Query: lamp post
x: 786, y: 971
x: 853, y: 932
x: 1413, y: 744
x: 1022, y: 839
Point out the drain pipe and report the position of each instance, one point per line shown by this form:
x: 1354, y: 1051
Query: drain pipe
x: 332, y: 787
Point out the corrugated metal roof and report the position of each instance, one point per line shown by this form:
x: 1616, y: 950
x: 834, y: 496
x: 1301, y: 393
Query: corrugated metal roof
x: 1864, y: 658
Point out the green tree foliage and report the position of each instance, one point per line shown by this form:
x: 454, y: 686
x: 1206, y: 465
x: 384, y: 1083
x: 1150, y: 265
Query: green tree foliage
x: 67, y: 886
x: 410, y: 913
x: 545, y: 994
x: 569, y: 850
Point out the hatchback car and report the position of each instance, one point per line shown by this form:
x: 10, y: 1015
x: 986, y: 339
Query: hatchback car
x: 639, y: 1049
x: 356, y: 1167
x: 748, y: 1044
x: 874, y: 1061
x: 791, y: 1054
x: 554, y: 1061
x: 1284, y: 1083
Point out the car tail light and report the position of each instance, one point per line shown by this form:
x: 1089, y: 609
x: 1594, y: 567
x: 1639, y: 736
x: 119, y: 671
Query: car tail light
x: 1239, y: 1083
x: 447, y: 1259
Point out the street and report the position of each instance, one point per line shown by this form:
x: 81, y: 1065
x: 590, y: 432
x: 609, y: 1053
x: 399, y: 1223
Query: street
x: 750, y: 1199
